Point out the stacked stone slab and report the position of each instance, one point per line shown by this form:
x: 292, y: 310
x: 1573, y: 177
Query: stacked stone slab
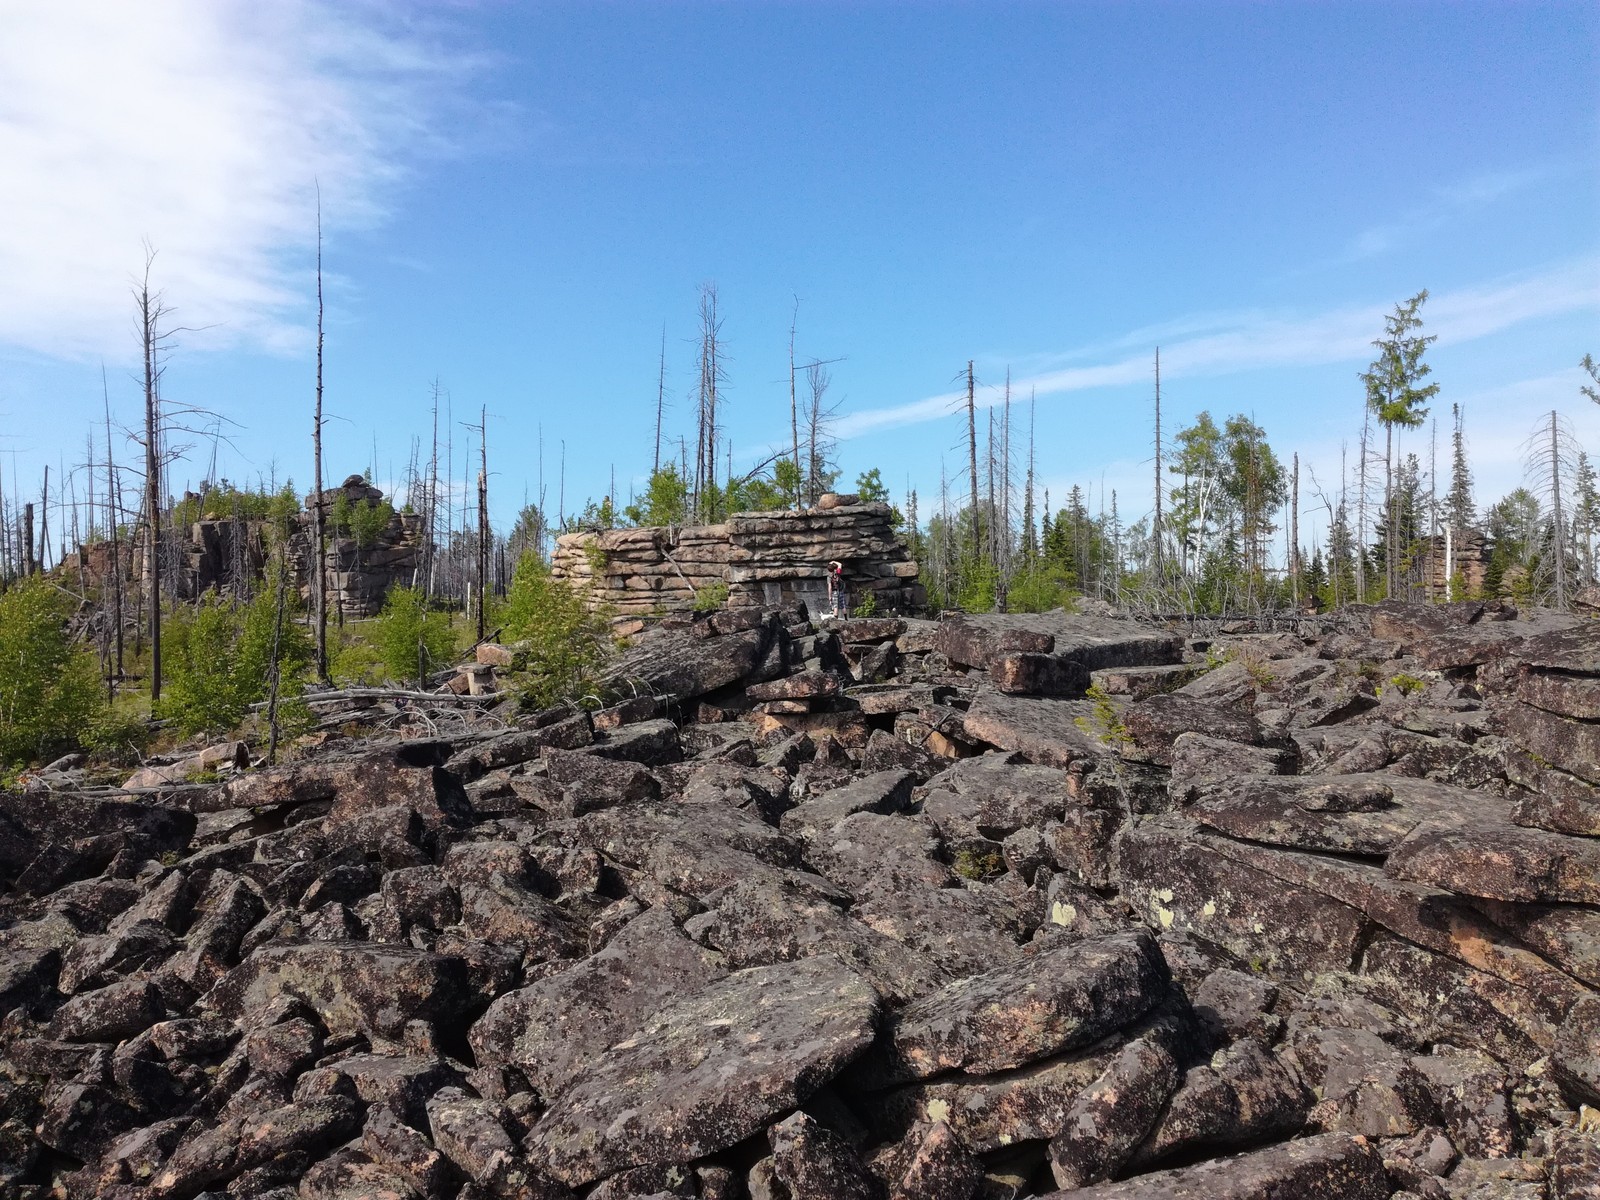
x: 357, y: 579
x: 764, y: 559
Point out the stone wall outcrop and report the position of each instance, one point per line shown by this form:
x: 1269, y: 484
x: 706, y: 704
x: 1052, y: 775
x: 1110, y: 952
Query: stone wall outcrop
x: 764, y: 559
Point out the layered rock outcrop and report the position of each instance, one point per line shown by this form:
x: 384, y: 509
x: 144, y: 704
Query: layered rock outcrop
x: 762, y: 559
x: 884, y: 909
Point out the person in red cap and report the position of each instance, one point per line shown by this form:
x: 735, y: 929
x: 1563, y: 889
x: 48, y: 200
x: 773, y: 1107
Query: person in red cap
x: 836, y: 589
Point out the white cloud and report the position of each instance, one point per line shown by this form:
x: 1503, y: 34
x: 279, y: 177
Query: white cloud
x: 200, y: 125
x: 1256, y: 341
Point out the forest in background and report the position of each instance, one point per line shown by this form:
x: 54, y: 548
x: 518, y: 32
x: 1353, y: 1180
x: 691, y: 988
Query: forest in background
x: 1222, y: 536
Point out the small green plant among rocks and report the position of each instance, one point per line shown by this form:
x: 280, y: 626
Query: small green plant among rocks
x: 978, y: 864
x: 711, y: 597
x: 1409, y: 685
x: 1106, y: 723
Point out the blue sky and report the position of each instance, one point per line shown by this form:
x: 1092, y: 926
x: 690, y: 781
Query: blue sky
x: 519, y: 198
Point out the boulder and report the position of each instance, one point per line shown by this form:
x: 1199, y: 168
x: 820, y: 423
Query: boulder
x: 707, y: 1072
x: 1063, y: 997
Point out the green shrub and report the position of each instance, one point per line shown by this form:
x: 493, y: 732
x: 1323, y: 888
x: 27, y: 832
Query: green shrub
x: 412, y: 640
x: 710, y: 598
x: 49, y: 691
x: 1408, y: 684
x: 1106, y: 724
x: 867, y: 606
x: 1040, y: 589
x: 566, y: 642
x: 357, y: 663
x: 218, y: 659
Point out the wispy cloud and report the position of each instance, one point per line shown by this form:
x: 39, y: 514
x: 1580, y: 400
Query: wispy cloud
x: 200, y: 125
x: 1446, y: 204
x: 1257, y: 341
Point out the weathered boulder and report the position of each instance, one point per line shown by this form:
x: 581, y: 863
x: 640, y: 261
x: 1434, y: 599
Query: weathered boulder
x: 709, y: 1071
x: 1500, y: 861
x: 1053, y: 733
x: 353, y: 987
x: 1333, y: 1166
x: 1112, y: 1115
x: 551, y: 1029
x: 1063, y: 997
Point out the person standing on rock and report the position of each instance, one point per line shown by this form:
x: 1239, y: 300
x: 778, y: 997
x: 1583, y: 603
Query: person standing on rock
x: 836, y: 589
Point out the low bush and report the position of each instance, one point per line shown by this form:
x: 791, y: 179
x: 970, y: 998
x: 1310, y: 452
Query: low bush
x: 412, y: 640
x: 566, y: 642
x: 219, y: 660
x: 49, y: 690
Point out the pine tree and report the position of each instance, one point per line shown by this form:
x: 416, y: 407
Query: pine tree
x: 1458, y: 506
x: 1395, y: 394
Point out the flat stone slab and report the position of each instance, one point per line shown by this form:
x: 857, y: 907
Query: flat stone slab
x: 708, y: 1072
x: 552, y: 1028
x: 354, y: 987
x: 1093, y: 643
x: 1334, y: 1166
x: 1043, y: 731
x: 1366, y: 814
x: 1055, y: 1001
x: 1500, y: 861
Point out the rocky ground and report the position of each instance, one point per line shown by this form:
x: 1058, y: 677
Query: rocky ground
x: 993, y: 907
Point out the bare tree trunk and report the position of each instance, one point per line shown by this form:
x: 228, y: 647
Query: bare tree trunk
x: 29, y: 565
x: 1389, y: 576
x: 275, y: 671
x: 1558, y: 516
x: 794, y: 415
x: 661, y: 398
x: 112, y: 507
x: 149, y: 314
x: 1294, y: 534
x: 972, y: 465
x: 319, y: 528
x: 1361, y: 517
x: 1156, y: 523
x: 483, y: 518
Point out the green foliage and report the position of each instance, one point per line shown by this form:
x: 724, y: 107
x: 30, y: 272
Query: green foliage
x: 566, y: 642
x: 978, y: 864
x: 711, y: 597
x: 786, y: 477
x: 870, y: 487
x: 363, y: 522
x: 665, y: 500
x: 976, y: 588
x: 1395, y: 391
x: 226, y: 502
x: 412, y: 640
x: 1107, y: 723
x: 49, y: 692
x: 1040, y: 588
x: 1408, y: 684
x: 867, y: 606
x: 219, y: 660
x: 356, y: 662
x: 596, y: 558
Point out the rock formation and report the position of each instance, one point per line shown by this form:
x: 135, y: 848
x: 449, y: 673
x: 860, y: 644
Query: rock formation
x: 1057, y: 906
x: 763, y: 559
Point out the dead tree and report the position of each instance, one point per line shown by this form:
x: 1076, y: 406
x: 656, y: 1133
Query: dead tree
x: 661, y: 399
x: 1156, y: 522
x: 112, y: 506
x: 150, y: 312
x: 972, y: 463
x: 794, y: 418
x: 319, y: 528
x: 1294, y: 533
x: 483, y: 516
